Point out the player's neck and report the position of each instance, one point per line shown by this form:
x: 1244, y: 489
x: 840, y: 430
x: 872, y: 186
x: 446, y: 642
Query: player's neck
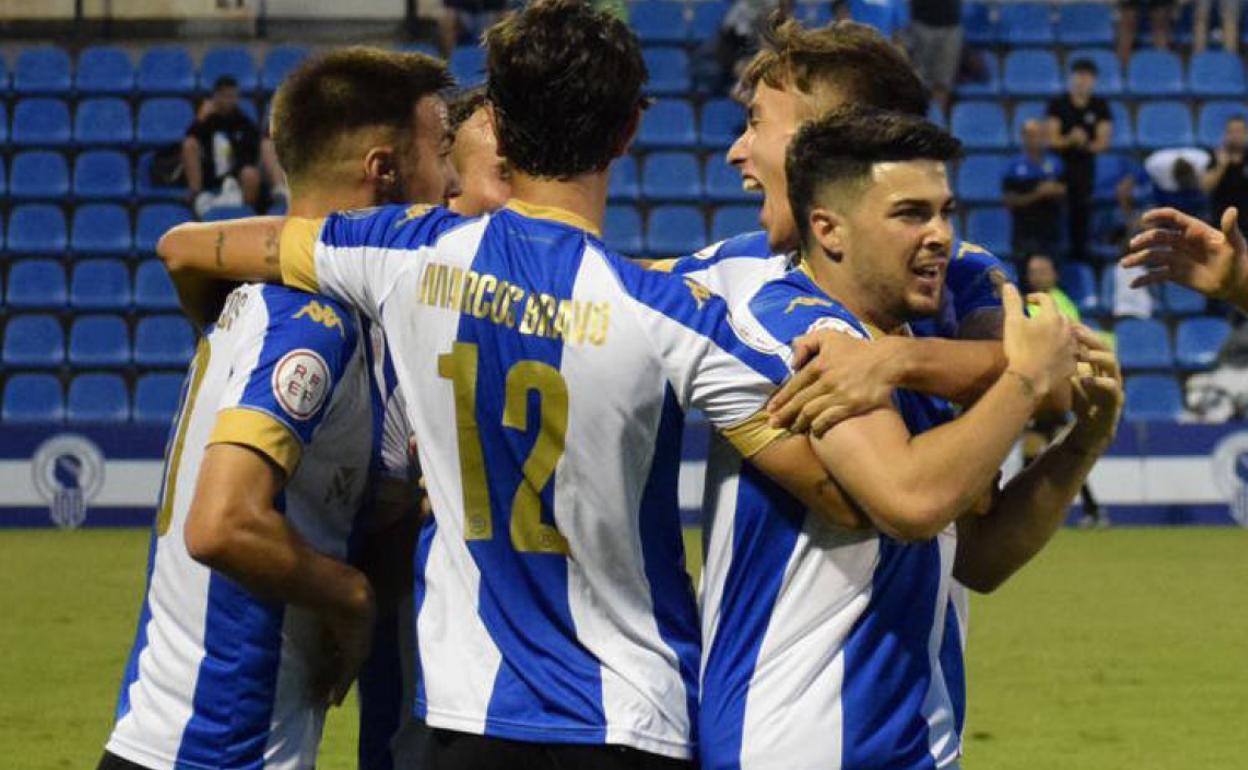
x: 584, y: 196
x: 321, y: 201
x: 837, y: 281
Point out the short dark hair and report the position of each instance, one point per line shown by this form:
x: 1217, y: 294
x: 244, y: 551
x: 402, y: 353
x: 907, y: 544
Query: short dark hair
x: 464, y: 104
x: 565, y: 81
x: 225, y: 81
x: 856, y: 59
x: 843, y: 145
x: 1085, y: 65
x: 344, y: 90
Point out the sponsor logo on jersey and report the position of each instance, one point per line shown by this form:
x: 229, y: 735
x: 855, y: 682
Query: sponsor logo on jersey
x: 797, y: 302
x: 68, y: 473
x: 322, y: 314
x: 301, y: 382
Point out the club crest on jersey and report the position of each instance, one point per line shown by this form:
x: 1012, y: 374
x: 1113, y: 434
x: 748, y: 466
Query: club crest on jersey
x: 700, y: 293
x: 322, y: 314
x: 797, y: 302
x: 301, y: 382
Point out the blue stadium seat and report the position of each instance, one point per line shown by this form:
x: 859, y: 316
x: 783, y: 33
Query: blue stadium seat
x: 621, y: 230
x: 1124, y: 136
x: 1085, y: 24
x: 147, y: 191
x: 163, y: 121
x: 36, y: 284
x: 1111, y: 167
x: 728, y: 221
x: 166, y: 70
x: 233, y: 60
x: 101, y: 229
x: 467, y: 64
x: 979, y: 178
x: 707, y: 17
x: 1153, y: 397
x: 4, y: 76
x: 980, y: 125
x: 670, y: 123
x: 103, y: 175
x: 104, y: 70
x: 43, y: 71
x: 1164, y: 124
x: 671, y: 176
x: 38, y: 175
x: 1181, y: 300
x: 989, y: 85
x: 813, y: 15
x: 1152, y: 74
x: 103, y: 120
x: 4, y: 183
x: 723, y: 120
x: 153, y: 289
x: 1215, y: 73
x: 990, y: 227
x: 222, y: 213
x: 1211, y: 123
x: 33, y: 342
x: 40, y: 122
x: 100, y: 284
x: 1026, y: 24
x: 1023, y: 112
x: 156, y: 397
x: 165, y: 340
x: 4, y: 123
x: 723, y: 182
x: 154, y: 220
x: 278, y: 63
x: 37, y: 229
x: 978, y: 25
x: 659, y: 21
x: 99, y: 341
x: 669, y: 71
x: 1031, y: 73
x: 1143, y: 343
x: 623, y: 185
x: 1109, y: 81
x: 675, y: 231
x: 1079, y: 282
x: 1198, y: 341
x: 98, y: 397
x: 936, y: 115
x: 33, y: 398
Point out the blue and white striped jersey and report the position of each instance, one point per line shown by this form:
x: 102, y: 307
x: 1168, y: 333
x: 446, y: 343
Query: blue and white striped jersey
x: 217, y: 677
x: 823, y: 648
x: 546, y: 379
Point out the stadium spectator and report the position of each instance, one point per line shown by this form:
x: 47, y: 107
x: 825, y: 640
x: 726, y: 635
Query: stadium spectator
x: 1228, y: 14
x: 1034, y: 192
x: 721, y: 58
x: 1159, y: 13
x: 221, y: 151
x: 1226, y: 177
x: 1080, y: 127
x: 936, y: 37
x: 890, y: 17
x: 485, y: 176
x: 1041, y: 277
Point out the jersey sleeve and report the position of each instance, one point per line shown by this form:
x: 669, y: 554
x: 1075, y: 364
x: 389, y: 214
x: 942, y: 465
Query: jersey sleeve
x: 972, y: 280
x: 284, y: 374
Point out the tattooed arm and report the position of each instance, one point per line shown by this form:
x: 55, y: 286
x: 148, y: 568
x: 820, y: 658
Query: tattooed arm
x: 205, y: 260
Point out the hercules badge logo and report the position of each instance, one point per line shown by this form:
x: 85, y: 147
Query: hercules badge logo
x: 68, y: 473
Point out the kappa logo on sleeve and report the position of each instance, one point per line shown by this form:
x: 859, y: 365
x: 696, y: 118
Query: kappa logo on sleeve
x: 828, y: 323
x: 700, y: 293
x: 322, y: 314
x: 301, y: 381
x: 797, y: 302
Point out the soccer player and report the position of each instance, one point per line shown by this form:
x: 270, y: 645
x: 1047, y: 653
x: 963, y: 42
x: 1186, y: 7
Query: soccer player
x: 1178, y: 247
x: 546, y: 379
x: 485, y: 179
x: 827, y: 648
x: 253, y: 620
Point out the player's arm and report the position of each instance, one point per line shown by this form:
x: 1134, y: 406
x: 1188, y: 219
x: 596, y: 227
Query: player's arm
x: 233, y: 528
x: 912, y: 487
x: 238, y: 249
x: 1181, y: 248
x: 1033, y: 505
x: 791, y: 462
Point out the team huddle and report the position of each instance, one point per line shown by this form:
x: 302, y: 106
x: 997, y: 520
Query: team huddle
x: 866, y: 374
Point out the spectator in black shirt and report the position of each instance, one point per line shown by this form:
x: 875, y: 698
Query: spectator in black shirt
x: 1226, y: 180
x: 936, y: 30
x: 1034, y: 192
x: 1080, y: 128
x: 222, y: 143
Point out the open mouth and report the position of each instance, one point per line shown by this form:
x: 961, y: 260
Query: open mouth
x: 751, y: 185
x: 928, y: 272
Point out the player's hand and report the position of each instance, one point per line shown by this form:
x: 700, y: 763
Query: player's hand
x: 349, y: 632
x: 838, y: 377
x: 1041, y: 348
x: 1098, y: 394
x: 1181, y: 248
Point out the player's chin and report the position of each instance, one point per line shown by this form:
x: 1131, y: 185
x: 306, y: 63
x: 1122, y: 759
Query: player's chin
x: 923, y: 302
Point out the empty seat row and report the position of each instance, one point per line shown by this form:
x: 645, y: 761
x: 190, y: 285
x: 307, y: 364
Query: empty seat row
x: 95, y: 397
x: 677, y: 176
x: 39, y: 342
x: 1149, y: 74
x: 161, y: 70
x: 1021, y: 24
x: 92, y: 284
x: 674, y: 123
x: 673, y: 231
x: 669, y: 22
x: 1156, y: 397
x: 96, y: 229
x: 1096, y: 296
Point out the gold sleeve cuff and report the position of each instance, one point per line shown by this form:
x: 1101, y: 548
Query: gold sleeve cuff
x: 298, y: 249
x: 753, y: 435
x: 261, y: 432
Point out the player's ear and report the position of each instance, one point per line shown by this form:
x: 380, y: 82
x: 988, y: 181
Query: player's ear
x: 381, y: 167
x: 827, y: 229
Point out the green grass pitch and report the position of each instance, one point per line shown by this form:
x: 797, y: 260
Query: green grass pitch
x: 1119, y: 649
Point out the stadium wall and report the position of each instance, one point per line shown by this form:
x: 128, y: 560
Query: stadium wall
x: 1155, y: 474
